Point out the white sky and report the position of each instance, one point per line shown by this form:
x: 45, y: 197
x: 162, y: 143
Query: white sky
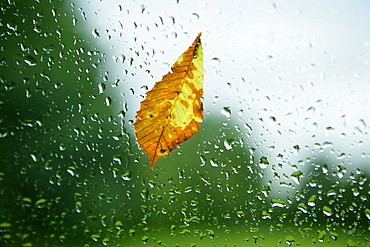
x: 306, y: 63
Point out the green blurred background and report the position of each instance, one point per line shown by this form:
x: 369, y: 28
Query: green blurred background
x: 72, y: 175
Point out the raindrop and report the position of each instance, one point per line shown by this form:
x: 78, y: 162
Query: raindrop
x: 331, y: 193
x: 70, y: 170
x: 214, y: 162
x: 311, y: 109
x: 102, y: 87
x: 105, y: 241
x: 126, y: 176
x: 34, y: 157
x: 341, y: 156
x: 115, y: 84
x: 48, y: 49
x: 78, y: 206
x: 329, y: 130
x: 302, y: 207
x: 95, y: 237
x: 296, y: 149
x: 289, y: 240
x: 188, y: 189
x: 62, y: 147
x: 296, y: 176
x: 278, y: 203
x: 28, y: 93
x: 30, y: 60
x: 327, y: 211
x: 341, y: 171
x: 367, y: 213
x: 334, y: 235
x: 228, y: 144
x: 26, y: 202
x: 37, y: 29
x: 5, y: 225
x: 108, y: 101
x: 40, y: 203
x: 131, y: 232
x: 226, y: 112
x: 215, y: 62
x: 196, y: 15
x: 312, y: 201
x: 263, y: 162
x: 48, y: 165
x: 145, y: 239
x: 118, y: 225
x: 95, y: 33
x: 325, y: 169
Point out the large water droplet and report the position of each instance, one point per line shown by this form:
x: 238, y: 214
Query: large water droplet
x: 30, y: 60
x: 226, y: 112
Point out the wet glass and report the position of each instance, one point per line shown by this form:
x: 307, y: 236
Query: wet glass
x: 282, y: 157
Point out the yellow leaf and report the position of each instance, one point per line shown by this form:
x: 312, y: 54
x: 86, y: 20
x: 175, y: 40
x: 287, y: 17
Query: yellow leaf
x: 172, y: 110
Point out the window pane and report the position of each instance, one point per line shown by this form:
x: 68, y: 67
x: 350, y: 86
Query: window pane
x: 282, y: 155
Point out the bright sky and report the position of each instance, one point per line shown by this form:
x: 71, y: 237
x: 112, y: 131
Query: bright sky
x: 304, y: 63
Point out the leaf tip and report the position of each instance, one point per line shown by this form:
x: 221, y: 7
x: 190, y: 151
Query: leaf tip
x: 152, y: 165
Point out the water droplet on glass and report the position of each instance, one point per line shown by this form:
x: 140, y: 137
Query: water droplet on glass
x: 334, y: 235
x: 367, y: 213
x: 40, y: 203
x: 296, y: 149
x: 34, y: 157
x: 302, y: 207
x: 48, y: 165
x: 312, y: 201
x: 95, y: 33
x: 278, y: 203
x: 263, y: 162
x: 94, y: 237
x: 126, y: 176
x: 102, y: 87
x: 30, y: 60
x: 70, y: 170
x: 108, y: 101
x: 145, y: 239
x: 214, y: 62
x: 78, y: 206
x: 26, y: 202
x: 228, y: 144
x: 131, y: 232
x: 226, y: 112
x: 296, y: 176
x: 37, y: 29
x: 49, y: 48
x: 214, y: 162
x: 28, y: 93
x: 105, y: 241
x: 289, y: 240
x: 341, y: 156
x: 327, y: 211
x: 62, y: 147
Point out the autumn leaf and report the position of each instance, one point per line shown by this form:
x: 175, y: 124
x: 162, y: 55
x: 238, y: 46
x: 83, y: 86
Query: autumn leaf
x: 172, y: 110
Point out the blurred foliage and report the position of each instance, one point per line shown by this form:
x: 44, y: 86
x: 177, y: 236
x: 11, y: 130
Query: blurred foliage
x: 72, y: 175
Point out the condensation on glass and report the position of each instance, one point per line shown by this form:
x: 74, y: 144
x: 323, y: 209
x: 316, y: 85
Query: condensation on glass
x: 281, y: 158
